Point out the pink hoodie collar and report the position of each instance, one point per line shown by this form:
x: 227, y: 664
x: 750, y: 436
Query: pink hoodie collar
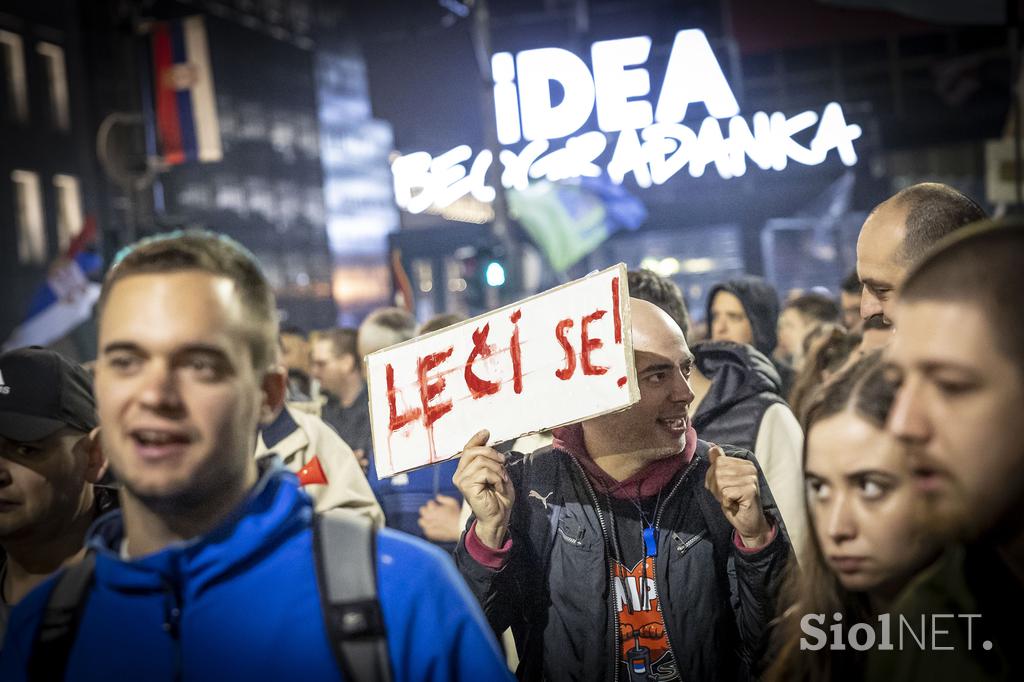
x: 648, y: 481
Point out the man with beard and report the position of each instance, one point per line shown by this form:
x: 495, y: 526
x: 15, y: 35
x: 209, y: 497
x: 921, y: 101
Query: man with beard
x: 959, y: 349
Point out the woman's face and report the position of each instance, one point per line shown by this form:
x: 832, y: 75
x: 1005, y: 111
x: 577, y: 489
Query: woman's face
x: 863, y: 506
x: 792, y: 329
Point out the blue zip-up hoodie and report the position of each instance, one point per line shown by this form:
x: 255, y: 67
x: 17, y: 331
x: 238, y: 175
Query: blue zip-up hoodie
x: 242, y: 603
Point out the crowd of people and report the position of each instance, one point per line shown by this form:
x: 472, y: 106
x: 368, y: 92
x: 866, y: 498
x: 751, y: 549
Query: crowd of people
x: 811, y: 488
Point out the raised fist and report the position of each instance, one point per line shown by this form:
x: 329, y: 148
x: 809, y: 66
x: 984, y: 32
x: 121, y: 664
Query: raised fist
x: 734, y: 484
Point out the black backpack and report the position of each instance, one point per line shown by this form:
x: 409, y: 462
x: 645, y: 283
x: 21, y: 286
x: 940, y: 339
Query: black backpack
x: 344, y: 550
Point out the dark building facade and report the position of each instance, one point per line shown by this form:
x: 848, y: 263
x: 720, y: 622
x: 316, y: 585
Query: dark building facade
x: 47, y: 163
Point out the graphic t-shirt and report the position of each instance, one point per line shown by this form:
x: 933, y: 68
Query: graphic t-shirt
x: 646, y: 653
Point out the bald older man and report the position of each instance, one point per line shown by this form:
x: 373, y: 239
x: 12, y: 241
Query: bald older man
x: 609, y: 553
x: 896, y: 234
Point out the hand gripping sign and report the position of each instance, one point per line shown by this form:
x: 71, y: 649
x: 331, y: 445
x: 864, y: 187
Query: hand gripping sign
x: 552, y: 359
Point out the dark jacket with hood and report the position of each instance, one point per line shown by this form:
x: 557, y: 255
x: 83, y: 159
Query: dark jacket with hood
x: 554, y: 589
x: 761, y: 304
x: 744, y: 385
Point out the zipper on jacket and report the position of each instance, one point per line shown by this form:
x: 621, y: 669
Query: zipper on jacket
x: 172, y: 624
x: 611, y: 572
x: 613, y: 599
x: 172, y: 619
x: 578, y: 540
x: 684, y: 547
x: 657, y: 524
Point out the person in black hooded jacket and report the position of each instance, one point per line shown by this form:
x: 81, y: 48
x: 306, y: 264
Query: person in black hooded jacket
x: 746, y: 310
x: 738, y: 402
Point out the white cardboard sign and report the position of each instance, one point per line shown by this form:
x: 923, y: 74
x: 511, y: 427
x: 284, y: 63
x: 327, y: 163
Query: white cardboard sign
x: 556, y: 358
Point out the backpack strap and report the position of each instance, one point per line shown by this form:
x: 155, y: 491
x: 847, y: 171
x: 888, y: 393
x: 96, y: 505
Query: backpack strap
x: 346, y: 558
x: 48, y: 660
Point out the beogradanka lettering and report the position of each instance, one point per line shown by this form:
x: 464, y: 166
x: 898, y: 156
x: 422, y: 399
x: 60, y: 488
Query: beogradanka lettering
x: 645, y: 139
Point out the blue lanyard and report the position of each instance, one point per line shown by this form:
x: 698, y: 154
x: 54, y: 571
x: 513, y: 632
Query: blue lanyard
x: 650, y: 541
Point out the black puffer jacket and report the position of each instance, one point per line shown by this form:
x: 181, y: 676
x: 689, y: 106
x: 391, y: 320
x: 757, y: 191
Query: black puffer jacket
x: 555, y: 594
x: 744, y: 385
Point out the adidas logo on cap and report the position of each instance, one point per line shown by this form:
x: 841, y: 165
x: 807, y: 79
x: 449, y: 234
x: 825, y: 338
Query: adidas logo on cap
x: 4, y: 388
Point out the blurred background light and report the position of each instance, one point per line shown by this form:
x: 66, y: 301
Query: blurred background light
x: 495, y: 274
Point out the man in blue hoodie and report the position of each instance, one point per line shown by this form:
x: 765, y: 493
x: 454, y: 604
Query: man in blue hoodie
x: 208, y: 571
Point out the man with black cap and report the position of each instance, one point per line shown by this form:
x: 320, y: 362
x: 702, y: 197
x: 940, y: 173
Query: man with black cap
x: 48, y: 465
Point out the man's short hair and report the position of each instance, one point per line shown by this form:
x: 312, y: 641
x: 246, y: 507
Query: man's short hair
x: 982, y: 265
x: 385, y: 327
x: 851, y: 285
x: 933, y: 211
x: 215, y: 254
x: 661, y: 291
x: 343, y: 340
x: 293, y: 330
x: 815, y: 307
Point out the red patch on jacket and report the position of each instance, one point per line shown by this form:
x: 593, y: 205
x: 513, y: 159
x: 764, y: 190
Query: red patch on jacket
x: 312, y: 473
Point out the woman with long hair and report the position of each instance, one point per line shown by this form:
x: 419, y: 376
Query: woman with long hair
x: 868, y: 539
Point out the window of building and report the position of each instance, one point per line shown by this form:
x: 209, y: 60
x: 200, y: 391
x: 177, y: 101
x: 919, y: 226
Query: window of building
x: 57, y: 79
x: 16, y: 85
x: 28, y: 205
x: 69, y: 209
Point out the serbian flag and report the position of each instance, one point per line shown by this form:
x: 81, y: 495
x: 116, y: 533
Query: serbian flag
x: 183, y: 103
x: 65, y: 300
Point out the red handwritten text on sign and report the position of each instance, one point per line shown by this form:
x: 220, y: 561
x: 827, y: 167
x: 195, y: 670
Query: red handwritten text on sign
x: 553, y: 359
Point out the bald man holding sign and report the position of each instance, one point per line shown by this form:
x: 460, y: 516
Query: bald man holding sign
x: 635, y: 498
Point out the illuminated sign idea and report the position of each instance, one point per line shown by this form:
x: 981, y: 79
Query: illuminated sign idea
x: 652, y: 142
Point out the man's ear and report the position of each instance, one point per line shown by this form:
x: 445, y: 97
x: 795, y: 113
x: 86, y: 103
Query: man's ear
x: 274, y: 389
x: 96, y: 461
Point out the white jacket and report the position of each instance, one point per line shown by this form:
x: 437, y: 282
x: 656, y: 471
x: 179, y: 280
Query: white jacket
x: 298, y: 438
x: 779, y: 451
